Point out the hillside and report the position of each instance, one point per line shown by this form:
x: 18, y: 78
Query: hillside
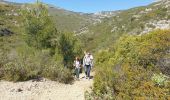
x: 77, y: 22
x: 139, y: 20
x: 97, y: 30
x: 67, y: 20
x: 9, y: 19
x: 70, y: 21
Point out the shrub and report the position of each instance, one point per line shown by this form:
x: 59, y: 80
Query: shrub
x: 160, y: 79
x: 57, y: 72
x: 30, y: 63
x: 147, y: 90
x: 25, y: 64
x: 144, y: 50
x: 68, y: 47
x: 125, y: 71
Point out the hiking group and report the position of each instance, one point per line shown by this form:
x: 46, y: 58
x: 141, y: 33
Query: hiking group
x: 87, y: 65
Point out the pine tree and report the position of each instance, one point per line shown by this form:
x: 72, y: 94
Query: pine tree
x: 39, y: 29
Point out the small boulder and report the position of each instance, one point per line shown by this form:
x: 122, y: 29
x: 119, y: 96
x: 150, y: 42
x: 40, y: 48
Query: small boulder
x: 5, y: 32
x: 19, y: 90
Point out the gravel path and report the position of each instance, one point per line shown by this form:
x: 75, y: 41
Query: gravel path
x: 44, y: 90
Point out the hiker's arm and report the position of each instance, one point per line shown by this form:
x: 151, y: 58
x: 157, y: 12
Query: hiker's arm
x: 83, y: 61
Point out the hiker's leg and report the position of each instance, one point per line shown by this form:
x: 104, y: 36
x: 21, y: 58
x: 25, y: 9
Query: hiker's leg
x: 88, y: 71
x: 85, y: 70
x: 78, y: 72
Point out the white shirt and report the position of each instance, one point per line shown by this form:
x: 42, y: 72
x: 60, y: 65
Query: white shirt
x: 77, y: 64
x: 91, y: 57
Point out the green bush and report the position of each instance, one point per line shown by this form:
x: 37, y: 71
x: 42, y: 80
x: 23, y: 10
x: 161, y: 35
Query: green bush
x: 148, y: 90
x: 125, y: 70
x: 40, y: 51
x: 160, y: 79
x: 25, y: 64
x: 68, y: 47
x: 57, y: 72
x: 29, y: 63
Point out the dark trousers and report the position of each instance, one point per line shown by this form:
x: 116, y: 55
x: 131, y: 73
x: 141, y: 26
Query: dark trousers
x: 88, y: 69
x: 77, y: 71
x: 85, y: 70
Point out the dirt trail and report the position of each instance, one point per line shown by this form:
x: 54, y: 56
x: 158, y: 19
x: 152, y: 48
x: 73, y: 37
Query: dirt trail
x: 44, y: 90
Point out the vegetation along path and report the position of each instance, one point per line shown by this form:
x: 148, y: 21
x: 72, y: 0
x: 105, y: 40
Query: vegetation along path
x: 44, y: 90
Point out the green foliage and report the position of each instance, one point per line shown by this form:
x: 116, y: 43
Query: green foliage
x: 41, y: 34
x: 143, y: 50
x: 10, y: 18
x: 58, y: 72
x: 39, y: 28
x: 147, y: 90
x: 69, y: 47
x: 21, y: 65
x: 160, y: 79
x: 39, y: 52
x: 125, y: 71
x: 29, y: 63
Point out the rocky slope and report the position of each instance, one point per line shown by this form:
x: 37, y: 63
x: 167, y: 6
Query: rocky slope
x: 139, y: 20
x: 9, y: 18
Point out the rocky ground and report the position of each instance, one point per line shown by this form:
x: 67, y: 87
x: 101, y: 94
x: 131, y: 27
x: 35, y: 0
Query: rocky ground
x: 44, y: 89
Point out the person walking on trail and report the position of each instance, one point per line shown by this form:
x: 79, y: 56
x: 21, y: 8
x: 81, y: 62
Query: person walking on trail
x: 77, y: 67
x: 87, y: 62
x: 85, y: 69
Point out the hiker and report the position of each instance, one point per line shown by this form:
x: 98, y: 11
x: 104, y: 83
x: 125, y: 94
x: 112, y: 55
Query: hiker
x: 77, y: 67
x: 85, y: 69
x: 87, y: 62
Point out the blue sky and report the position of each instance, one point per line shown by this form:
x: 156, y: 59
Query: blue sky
x: 89, y: 6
